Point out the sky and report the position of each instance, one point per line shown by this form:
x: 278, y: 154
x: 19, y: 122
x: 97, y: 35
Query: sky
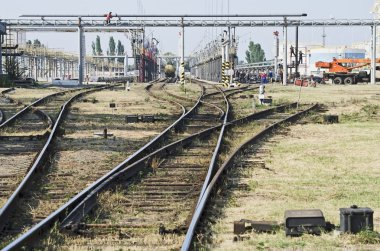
x: 196, y: 38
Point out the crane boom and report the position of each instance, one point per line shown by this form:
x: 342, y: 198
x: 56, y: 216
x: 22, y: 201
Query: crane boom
x: 340, y: 70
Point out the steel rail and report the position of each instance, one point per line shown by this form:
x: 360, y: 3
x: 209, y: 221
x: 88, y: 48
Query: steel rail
x: 1, y: 116
x: 45, y: 116
x: 11, y: 203
x: 215, y: 154
x: 203, y: 102
x: 35, y: 103
x: 7, y: 90
x: 199, y: 210
x: 76, y: 201
x: 83, y: 206
x: 147, y: 89
x: 89, y: 193
x: 90, y: 201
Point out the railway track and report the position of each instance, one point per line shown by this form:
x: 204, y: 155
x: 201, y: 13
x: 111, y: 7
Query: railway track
x: 22, y: 138
x: 121, y: 165
x: 15, y: 108
x: 19, y: 181
x: 241, y: 135
x: 7, y: 104
x: 146, y: 146
x: 169, y: 183
x: 174, y: 183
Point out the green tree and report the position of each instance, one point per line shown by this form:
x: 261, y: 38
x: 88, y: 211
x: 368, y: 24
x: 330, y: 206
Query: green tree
x: 93, y: 48
x: 111, y: 48
x: 120, y: 51
x: 98, y: 46
x: 13, y: 69
x: 169, y: 60
x: 37, y: 43
x: 254, y: 53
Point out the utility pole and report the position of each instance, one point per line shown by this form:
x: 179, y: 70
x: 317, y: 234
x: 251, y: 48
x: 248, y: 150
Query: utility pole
x: 182, y: 70
x: 81, y: 51
x: 373, y: 59
x: 276, y: 53
x: 323, y: 37
x: 296, y: 57
x: 285, y: 63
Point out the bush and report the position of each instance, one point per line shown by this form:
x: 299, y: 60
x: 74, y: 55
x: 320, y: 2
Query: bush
x: 5, y: 81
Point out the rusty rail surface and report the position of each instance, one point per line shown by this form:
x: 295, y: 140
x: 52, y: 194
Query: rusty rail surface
x: 227, y: 164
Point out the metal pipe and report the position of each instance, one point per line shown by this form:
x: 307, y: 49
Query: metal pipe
x: 285, y: 62
x: 373, y: 60
x: 174, y: 16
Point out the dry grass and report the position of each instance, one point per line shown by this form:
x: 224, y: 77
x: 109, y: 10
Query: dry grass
x: 28, y: 95
x: 189, y: 90
x: 135, y: 101
x: 313, y: 166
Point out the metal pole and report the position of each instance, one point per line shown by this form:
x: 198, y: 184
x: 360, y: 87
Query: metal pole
x: 228, y: 54
x: 1, y: 55
x: 126, y: 65
x: 183, y: 54
x: 285, y: 62
x: 276, y: 49
x: 81, y: 52
x: 296, y: 57
x: 373, y: 60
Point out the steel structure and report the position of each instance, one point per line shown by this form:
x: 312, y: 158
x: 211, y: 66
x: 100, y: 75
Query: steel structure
x: 121, y: 23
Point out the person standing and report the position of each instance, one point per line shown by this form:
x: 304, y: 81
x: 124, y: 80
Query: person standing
x: 270, y: 76
x: 292, y: 52
x: 300, y: 59
x: 108, y: 17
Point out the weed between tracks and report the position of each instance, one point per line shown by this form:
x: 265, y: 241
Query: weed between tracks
x: 310, y: 166
x: 81, y: 157
x: 130, y: 213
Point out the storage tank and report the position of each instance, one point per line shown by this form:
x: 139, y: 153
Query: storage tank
x: 169, y: 71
